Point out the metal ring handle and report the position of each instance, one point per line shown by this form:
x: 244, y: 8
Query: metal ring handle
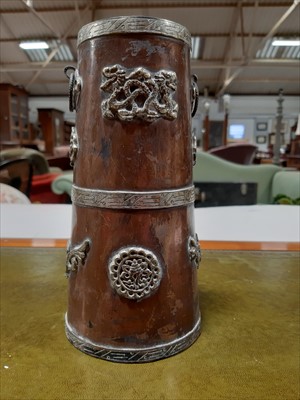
x: 71, y: 77
x: 67, y: 68
x: 195, y: 95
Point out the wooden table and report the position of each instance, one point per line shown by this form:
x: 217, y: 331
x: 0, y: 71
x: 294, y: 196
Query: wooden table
x: 293, y: 161
x: 248, y: 349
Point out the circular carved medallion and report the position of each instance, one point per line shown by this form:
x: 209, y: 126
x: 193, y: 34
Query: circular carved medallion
x: 134, y: 272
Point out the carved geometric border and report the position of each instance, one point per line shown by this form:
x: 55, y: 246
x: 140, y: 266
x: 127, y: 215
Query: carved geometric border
x: 132, y: 200
x: 134, y: 24
x: 132, y: 355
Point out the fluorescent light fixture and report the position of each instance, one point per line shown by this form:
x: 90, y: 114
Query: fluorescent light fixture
x: 286, y: 42
x: 196, y: 46
x: 34, y: 45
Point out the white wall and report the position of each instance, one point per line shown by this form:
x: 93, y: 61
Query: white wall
x: 249, y: 110
x: 60, y: 103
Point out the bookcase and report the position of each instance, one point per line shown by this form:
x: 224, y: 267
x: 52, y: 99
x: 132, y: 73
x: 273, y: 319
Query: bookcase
x: 14, y: 119
x: 51, y: 122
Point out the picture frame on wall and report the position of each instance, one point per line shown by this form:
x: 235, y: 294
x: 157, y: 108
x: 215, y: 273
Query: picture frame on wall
x: 261, y: 139
x: 261, y: 126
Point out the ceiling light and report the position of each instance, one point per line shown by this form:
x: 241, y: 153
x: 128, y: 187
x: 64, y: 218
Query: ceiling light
x: 29, y: 3
x: 286, y: 42
x: 34, y: 45
x: 196, y: 47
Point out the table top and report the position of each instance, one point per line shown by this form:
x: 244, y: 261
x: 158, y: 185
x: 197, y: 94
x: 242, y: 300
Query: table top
x: 248, y: 349
x: 265, y: 227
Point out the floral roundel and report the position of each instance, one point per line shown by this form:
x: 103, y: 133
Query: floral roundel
x: 134, y: 272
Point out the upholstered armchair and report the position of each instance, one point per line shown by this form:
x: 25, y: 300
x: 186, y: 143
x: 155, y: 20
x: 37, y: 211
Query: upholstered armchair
x: 38, y: 160
x: 43, y: 174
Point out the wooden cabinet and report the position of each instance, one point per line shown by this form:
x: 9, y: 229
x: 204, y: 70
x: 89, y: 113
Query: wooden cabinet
x: 68, y: 129
x: 52, y: 126
x: 14, y: 121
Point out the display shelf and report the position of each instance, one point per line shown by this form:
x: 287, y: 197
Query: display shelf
x: 14, y: 119
x: 52, y: 126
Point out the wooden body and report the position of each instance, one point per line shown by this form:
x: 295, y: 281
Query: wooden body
x: 133, y: 156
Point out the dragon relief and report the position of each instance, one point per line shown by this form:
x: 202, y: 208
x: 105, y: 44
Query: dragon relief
x: 73, y: 146
x: 194, y: 250
x: 138, y: 94
x: 76, y: 256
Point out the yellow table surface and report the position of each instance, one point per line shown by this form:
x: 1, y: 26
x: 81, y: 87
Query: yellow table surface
x: 248, y: 349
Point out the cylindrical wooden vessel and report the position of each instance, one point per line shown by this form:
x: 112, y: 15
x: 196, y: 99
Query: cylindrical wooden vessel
x: 133, y: 255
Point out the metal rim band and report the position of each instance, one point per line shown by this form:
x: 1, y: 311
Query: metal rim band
x: 134, y: 24
x: 132, y: 200
x: 132, y: 355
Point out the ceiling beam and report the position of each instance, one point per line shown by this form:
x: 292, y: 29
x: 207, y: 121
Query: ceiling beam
x: 202, y: 34
x: 109, y: 5
x: 78, y: 14
x: 195, y: 64
x: 228, y: 49
x: 263, y: 63
x: 260, y: 45
x: 54, y: 51
x: 31, y: 9
x: 210, y: 81
x: 242, y: 29
x: 9, y: 31
x: 251, y: 34
x: 245, y: 51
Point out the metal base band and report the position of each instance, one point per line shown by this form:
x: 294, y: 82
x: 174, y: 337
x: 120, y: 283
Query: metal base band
x: 132, y: 355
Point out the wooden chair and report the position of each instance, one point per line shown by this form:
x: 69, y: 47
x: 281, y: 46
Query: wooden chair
x: 17, y: 173
x: 36, y: 158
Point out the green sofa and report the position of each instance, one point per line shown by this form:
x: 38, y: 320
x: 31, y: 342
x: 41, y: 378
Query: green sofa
x: 271, y: 180
x: 63, y: 184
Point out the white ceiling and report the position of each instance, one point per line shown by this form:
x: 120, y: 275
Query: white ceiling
x: 232, y: 33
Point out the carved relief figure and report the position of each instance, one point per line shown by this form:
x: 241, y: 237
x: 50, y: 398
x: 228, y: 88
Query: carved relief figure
x: 139, y: 94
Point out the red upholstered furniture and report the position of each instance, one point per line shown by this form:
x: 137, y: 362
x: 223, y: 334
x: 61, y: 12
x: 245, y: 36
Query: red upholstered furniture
x: 41, y: 189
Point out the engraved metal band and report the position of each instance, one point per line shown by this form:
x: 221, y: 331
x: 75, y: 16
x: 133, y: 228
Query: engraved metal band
x: 134, y: 24
x: 132, y: 355
x: 132, y: 200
